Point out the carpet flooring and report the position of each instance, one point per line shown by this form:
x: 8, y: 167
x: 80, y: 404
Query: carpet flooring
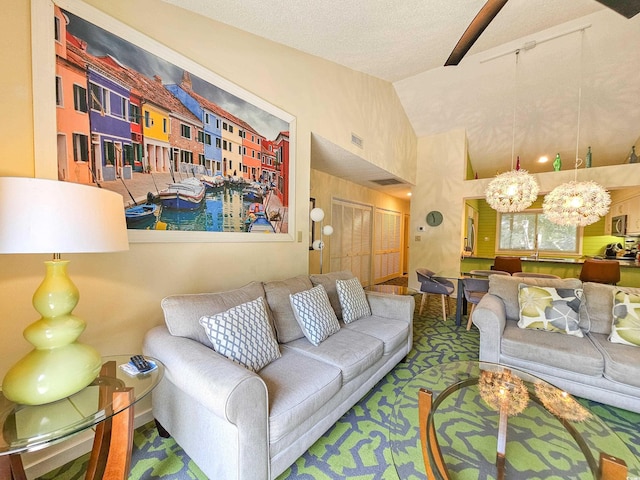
x: 358, y: 445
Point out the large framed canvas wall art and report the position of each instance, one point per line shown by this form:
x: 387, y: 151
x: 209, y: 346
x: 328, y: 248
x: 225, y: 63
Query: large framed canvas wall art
x: 194, y: 156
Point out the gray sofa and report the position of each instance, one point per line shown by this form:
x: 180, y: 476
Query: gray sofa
x: 591, y: 367
x: 236, y: 424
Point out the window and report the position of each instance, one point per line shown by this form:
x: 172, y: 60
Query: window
x: 134, y: 113
x: 80, y: 148
x: 109, y: 153
x: 217, y: 142
x: 124, y: 107
x: 165, y: 127
x: 201, y: 159
x: 185, y: 130
x: 148, y: 121
x: 224, y: 144
x: 531, y: 231
x: 230, y: 128
x: 206, y: 118
x: 80, y: 99
x: 56, y: 29
x: 59, y: 91
x: 96, y: 98
x: 127, y: 154
x: 186, y: 156
x: 207, y: 139
x: 225, y: 126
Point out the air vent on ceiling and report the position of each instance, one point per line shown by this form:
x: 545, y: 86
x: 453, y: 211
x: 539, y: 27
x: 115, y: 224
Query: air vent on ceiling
x: 388, y: 181
x: 356, y: 140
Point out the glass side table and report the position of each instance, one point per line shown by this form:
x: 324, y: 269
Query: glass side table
x: 107, y: 403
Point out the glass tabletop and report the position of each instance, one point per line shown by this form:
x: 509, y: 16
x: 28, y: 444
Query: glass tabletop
x: 547, y: 433
x: 31, y: 427
x: 392, y: 289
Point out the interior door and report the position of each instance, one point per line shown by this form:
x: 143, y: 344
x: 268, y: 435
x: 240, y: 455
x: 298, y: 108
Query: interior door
x: 387, y: 245
x: 351, y: 240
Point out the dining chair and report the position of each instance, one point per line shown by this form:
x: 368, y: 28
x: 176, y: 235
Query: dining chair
x: 600, y: 271
x: 431, y: 284
x: 534, y: 275
x: 474, y: 289
x: 507, y: 264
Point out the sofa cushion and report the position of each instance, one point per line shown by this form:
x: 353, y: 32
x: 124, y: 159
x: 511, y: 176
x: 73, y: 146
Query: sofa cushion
x: 597, y: 306
x: 243, y: 334
x: 298, y: 386
x: 350, y: 351
x: 277, y: 295
x: 182, y: 313
x: 353, y: 300
x: 550, y: 309
x: 392, y: 333
x: 506, y: 287
x: 314, y: 314
x: 328, y: 281
x: 621, y: 362
x: 564, y: 352
x: 626, y: 318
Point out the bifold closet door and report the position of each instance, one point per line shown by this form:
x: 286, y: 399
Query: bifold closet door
x: 350, y: 246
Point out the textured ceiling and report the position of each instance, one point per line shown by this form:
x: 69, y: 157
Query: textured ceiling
x: 407, y: 43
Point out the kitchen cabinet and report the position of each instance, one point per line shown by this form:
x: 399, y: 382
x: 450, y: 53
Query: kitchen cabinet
x: 633, y: 215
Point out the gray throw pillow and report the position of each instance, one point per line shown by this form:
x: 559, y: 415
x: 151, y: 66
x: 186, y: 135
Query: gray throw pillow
x: 314, y: 314
x: 243, y: 334
x: 353, y: 300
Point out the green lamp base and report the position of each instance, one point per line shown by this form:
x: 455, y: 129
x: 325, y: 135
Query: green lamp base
x: 59, y: 366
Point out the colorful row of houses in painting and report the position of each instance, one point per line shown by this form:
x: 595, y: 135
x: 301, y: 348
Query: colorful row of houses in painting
x: 113, y: 120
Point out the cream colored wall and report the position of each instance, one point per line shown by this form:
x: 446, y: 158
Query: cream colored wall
x: 439, y: 186
x: 121, y: 292
x: 325, y: 188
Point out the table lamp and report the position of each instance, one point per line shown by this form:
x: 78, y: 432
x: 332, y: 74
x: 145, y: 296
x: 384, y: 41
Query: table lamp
x: 49, y: 216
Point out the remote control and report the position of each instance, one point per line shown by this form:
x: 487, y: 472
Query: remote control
x: 141, y: 363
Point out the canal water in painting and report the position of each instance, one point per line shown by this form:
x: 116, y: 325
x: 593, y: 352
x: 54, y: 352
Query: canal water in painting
x: 223, y: 209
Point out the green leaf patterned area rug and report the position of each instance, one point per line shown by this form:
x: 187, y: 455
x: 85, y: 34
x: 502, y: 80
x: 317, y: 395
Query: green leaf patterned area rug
x: 358, y: 446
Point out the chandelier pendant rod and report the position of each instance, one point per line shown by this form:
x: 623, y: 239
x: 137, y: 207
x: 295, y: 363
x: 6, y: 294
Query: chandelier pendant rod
x: 515, y: 103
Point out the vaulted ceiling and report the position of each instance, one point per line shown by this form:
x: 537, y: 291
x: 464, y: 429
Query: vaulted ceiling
x: 577, y: 60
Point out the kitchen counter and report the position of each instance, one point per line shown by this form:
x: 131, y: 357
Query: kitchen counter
x: 564, y: 267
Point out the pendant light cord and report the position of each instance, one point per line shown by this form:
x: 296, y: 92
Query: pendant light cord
x: 515, y: 103
x: 578, y: 161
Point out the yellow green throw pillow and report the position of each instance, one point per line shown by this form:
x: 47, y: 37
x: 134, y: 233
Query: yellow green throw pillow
x: 550, y: 309
x: 626, y: 318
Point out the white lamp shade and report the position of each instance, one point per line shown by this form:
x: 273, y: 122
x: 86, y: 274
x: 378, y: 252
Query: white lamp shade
x: 50, y: 216
x: 317, y: 214
x: 318, y: 245
x: 327, y: 230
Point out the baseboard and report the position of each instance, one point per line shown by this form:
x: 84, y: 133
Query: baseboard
x: 43, y: 461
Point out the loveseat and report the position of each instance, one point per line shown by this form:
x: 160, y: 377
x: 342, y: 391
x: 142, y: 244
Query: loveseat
x: 235, y: 423
x: 589, y: 366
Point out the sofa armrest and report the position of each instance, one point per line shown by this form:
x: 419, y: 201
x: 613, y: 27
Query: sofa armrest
x: 400, y: 307
x: 223, y: 387
x: 490, y: 317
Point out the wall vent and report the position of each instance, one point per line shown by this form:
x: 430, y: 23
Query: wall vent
x: 388, y: 181
x: 356, y: 140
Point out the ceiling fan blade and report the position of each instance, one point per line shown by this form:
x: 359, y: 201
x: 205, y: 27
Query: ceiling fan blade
x: 628, y: 8
x: 484, y: 17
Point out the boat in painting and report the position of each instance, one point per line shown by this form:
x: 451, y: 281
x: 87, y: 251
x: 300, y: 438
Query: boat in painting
x: 140, y: 215
x: 216, y: 181
x: 184, y: 195
x: 253, y: 192
x: 261, y: 224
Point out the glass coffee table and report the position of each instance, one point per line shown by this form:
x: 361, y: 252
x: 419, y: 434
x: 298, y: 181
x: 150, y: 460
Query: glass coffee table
x: 106, y: 403
x: 483, y: 420
x: 392, y: 289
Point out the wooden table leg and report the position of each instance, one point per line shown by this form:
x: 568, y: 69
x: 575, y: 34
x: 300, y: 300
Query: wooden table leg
x: 502, y: 442
x: 111, y: 453
x: 425, y: 400
x: 612, y: 468
x: 11, y: 468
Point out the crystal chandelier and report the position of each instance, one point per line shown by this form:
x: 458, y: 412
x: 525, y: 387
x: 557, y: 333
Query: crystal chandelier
x: 577, y: 203
x: 515, y: 190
